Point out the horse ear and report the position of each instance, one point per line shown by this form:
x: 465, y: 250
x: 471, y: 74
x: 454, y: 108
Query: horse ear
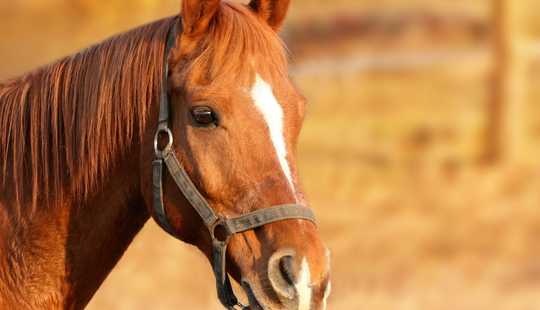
x: 197, y: 15
x: 272, y: 11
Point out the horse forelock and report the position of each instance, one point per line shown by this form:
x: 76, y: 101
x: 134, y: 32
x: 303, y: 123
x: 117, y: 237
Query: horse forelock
x: 238, y: 45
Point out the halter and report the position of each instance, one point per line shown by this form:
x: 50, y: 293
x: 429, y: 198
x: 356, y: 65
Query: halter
x: 227, y: 227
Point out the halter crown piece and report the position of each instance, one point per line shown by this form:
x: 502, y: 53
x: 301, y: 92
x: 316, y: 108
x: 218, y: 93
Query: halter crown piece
x: 231, y: 226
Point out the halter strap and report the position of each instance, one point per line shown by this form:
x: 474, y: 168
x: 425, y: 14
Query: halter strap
x: 229, y: 226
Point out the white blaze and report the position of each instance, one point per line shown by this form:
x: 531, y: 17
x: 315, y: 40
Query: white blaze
x: 265, y: 101
x: 303, y: 287
x: 267, y: 104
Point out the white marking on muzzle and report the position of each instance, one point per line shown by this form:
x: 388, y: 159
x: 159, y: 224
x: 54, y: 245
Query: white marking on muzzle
x: 303, y: 287
x: 327, y: 294
x: 265, y: 101
x: 328, y: 289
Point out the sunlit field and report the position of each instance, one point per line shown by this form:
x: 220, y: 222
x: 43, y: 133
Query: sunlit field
x: 414, y: 221
x: 391, y: 156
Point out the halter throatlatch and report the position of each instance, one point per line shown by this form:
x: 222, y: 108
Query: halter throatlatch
x: 165, y: 156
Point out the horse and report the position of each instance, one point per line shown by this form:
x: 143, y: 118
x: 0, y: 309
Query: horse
x: 191, y: 120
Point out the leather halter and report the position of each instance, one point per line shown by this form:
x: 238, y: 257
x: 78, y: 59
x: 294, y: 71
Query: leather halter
x: 214, y: 222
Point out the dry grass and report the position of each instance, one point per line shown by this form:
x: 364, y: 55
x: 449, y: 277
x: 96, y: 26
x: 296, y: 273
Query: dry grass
x: 390, y: 161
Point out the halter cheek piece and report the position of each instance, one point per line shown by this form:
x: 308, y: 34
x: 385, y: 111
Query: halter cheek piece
x: 228, y: 226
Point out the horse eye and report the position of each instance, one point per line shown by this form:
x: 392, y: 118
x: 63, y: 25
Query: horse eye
x: 204, y: 116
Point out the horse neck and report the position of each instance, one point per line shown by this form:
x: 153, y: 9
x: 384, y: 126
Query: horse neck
x: 60, y: 256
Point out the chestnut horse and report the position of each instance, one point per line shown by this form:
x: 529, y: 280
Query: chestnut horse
x: 77, y: 153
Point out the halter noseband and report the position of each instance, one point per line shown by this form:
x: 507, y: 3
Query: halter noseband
x: 228, y: 226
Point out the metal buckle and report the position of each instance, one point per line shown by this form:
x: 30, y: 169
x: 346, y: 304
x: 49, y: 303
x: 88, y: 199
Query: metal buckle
x: 163, y: 130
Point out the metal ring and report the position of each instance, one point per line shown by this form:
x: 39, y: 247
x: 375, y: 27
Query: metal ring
x: 214, y: 227
x: 168, y: 147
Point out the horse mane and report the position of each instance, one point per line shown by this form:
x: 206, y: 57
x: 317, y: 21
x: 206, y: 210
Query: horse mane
x: 66, y: 123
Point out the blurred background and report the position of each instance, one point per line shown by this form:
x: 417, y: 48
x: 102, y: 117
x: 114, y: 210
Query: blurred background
x: 420, y: 152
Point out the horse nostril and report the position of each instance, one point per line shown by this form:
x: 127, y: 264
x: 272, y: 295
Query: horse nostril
x: 282, y: 273
x: 286, y: 268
